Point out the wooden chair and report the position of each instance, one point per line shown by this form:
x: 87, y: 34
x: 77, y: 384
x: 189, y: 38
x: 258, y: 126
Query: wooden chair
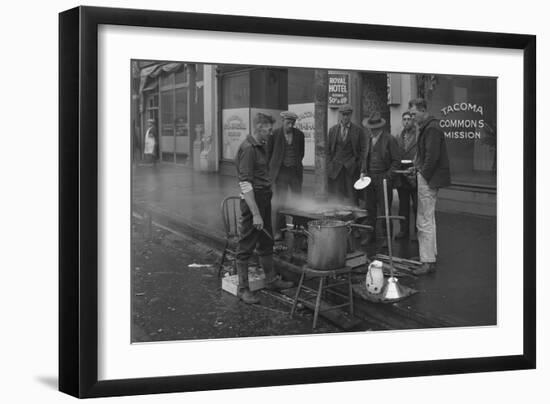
x: 231, y: 214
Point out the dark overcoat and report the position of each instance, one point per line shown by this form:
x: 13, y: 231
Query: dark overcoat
x: 391, y: 154
x: 276, y: 151
x: 358, y: 138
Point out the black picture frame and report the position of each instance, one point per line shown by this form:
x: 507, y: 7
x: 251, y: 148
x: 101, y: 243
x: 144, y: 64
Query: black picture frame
x: 78, y: 201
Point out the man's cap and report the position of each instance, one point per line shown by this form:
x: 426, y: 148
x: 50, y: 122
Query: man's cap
x: 289, y: 115
x: 345, y: 108
x: 151, y: 120
x: 374, y: 121
x: 262, y: 118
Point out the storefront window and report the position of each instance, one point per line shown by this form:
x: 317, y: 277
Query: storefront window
x: 466, y: 110
x: 181, y: 122
x: 235, y: 112
x: 181, y: 76
x: 167, y: 113
x: 167, y: 125
x: 269, y: 89
x: 236, y: 91
x: 244, y: 95
x: 167, y: 80
x: 300, y: 85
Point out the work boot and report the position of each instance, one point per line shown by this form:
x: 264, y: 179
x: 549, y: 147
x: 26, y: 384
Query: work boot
x: 278, y: 284
x: 424, y: 269
x: 244, y: 292
x: 271, y: 281
x: 247, y: 296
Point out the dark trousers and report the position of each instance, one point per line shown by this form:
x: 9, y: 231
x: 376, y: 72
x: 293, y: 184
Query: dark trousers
x: 407, y: 194
x: 288, y: 183
x: 341, y: 187
x: 375, y: 200
x: 250, y: 237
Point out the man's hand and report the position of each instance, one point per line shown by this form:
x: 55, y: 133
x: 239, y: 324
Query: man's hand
x: 363, y: 175
x: 257, y: 222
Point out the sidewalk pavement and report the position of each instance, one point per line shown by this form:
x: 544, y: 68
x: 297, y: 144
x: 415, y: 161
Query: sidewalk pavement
x: 462, y: 292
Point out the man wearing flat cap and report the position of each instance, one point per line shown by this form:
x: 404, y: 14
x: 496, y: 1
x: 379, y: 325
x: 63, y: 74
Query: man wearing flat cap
x: 382, y: 158
x: 255, y: 223
x: 346, y: 145
x: 285, y: 152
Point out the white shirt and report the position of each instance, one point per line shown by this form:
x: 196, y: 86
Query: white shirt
x: 149, y: 143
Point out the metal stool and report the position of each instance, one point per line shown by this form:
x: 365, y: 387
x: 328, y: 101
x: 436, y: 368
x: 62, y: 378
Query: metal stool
x: 324, y: 287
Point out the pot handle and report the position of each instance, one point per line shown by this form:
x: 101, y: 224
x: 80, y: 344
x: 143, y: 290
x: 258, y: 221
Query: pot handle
x: 361, y: 226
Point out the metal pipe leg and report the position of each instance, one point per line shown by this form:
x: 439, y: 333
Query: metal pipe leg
x: 318, y: 302
x: 297, y: 294
x: 327, y: 283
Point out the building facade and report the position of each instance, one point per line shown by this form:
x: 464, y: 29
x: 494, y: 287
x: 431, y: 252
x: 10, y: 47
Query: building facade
x: 203, y: 112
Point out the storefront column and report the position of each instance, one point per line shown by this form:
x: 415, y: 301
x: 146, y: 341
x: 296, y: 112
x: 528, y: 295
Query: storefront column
x: 210, y: 146
x: 356, y: 86
x: 399, y: 102
x: 321, y: 130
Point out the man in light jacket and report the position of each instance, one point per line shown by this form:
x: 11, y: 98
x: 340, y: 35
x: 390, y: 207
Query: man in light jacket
x: 432, y: 168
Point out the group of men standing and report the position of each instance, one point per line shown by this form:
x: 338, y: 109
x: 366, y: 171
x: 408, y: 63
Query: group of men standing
x: 268, y: 160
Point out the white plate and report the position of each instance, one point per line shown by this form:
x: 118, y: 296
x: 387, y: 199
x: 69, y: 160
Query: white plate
x: 361, y: 183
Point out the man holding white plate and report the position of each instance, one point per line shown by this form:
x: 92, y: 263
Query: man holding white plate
x: 381, y: 159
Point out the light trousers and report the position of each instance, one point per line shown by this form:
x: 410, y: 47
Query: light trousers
x: 425, y: 220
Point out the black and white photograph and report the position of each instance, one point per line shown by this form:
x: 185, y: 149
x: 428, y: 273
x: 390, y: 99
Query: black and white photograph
x: 275, y: 201
x: 243, y: 201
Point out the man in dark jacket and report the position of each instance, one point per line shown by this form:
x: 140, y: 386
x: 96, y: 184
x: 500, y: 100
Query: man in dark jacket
x: 346, y: 145
x: 406, y: 183
x: 381, y: 159
x: 255, y: 223
x: 432, y: 167
x: 285, y: 152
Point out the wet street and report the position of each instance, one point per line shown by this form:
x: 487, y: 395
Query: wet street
x: 172, y: 301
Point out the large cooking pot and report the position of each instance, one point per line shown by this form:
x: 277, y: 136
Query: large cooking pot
x: 327, y: 243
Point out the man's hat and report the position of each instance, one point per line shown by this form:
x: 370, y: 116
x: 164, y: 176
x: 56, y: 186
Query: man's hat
x: 345, y: 108
x: 151, y: 120
x: 289, y: 115
x: 374, y: 121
